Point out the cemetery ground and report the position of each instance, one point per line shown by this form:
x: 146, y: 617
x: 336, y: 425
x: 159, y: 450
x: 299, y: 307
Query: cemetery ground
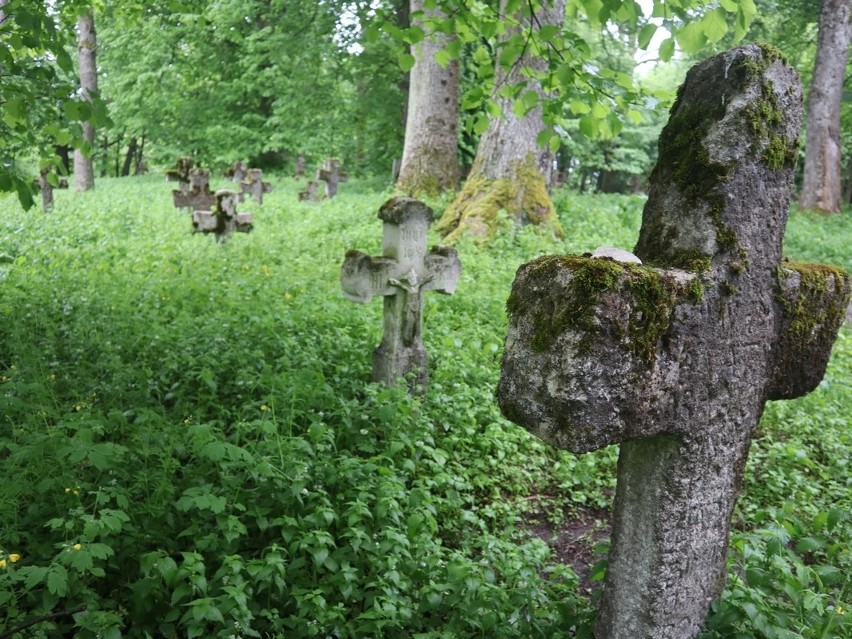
x: 190, y: 445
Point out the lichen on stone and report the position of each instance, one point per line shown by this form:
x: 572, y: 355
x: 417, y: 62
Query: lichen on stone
x: 580, y: 307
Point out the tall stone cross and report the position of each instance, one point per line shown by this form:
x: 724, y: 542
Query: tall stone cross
x: 254, y: 186
x: 197, y: 194
x: 675, y: 359
x: 401, y: 275
x: 332, y: 176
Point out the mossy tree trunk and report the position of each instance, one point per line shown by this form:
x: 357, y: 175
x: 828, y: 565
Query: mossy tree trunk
x: 430, y: 156
x: 511, y: 171
x: 84, y: 174
x: 821, y: 185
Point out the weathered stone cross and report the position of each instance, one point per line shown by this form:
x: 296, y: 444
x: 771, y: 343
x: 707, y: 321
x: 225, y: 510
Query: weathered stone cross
x: 675, y: 359
x: 254, y: 186
x: 330, y: 174
x: 180, y: 172
x: 197, y: 194
x: 224, y: 219
x: 401, y: 275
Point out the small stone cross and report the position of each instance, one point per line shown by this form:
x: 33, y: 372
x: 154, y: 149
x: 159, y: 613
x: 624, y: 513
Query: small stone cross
x: 674, y: 359
x: 236, y: 172
x: 254, y: 186
x: 224, y: 219
x: 310, y: 192
x: 197, y: 194
x: 180, y: 173
x: 330, y: 174
x: 401, y: 275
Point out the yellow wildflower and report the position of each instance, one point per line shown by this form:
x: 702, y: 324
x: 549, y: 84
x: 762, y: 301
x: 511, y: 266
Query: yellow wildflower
x: 77, y: 546
x: 264, y: 408
x: 839, y: 610
x: 2, y: 563
x: 14, y: 557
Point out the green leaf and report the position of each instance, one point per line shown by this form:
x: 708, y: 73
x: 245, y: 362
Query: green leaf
x: 667, y: 49
x: 57, y: 580
x: 691, y: 38
x: 548, y: 32
x: 579, y: 108
x: 406, y: 61
x: 588, y: 126
x: 443, y: 57
x: 645, y: 34
x: 729, y: 5
x: 714, y: 25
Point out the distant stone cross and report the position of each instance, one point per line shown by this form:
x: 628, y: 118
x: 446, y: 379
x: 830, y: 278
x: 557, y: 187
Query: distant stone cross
x: 310, y: 192
x: 236, y: 172
x: 254, y: 186
x: 676, y: 361
x: 401, y: 275
x: 224, y: 218
x: 180, y: 173
x: 197, y: 195
x: 330, y: 174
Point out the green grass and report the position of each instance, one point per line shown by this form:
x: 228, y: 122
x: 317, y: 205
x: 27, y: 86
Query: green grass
x: 198, y: 418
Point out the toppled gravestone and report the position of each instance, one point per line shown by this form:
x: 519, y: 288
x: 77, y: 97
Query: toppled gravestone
x: 223, y: 219
x: 675, y: 358
x: 401, y: 275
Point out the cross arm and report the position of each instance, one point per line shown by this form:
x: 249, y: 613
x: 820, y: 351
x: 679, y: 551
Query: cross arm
x: 364, y: 277
x: 811, y: 301
x: 443, y: 269
x: 580, y: 367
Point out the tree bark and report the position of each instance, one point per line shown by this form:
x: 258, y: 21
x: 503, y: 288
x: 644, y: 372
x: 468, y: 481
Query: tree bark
x: 821, y: 186
x: 129, y: 156
x: 84, y: 175
x: 510, y: 172
x: 430, y: 155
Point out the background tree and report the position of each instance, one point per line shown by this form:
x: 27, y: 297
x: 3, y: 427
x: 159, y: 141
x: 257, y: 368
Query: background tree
x: 821, y: 185
x: 430, y: 156
x: 84, y: 175
x: 512, y: 171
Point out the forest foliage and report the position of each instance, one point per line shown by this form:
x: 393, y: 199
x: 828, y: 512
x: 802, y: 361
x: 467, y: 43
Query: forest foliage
x: 191, y: 446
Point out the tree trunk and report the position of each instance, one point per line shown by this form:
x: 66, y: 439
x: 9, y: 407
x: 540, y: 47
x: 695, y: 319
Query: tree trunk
x: 430, y: 156
x: 84, y: 175
x: 510, y: 172
x: 129, y: 156
x: 821, y: 184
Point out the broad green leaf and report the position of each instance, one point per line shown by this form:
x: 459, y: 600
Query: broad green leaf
x: 578, y: 107
x: 667, y: 49
x: 645, y: 34
x: 443, y: 58
x: 406, y: 61
x: 634, y: 116
x: 415, y: 34
x: 547, y: 32
x: 714, y: 25
x: 480, y: 125
x: 57, y: 580
x: 588, y: 126
x: 729, y: 5
x: 691, y: 38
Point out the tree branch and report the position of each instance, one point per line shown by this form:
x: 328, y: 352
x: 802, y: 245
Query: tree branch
x: 47, y: 617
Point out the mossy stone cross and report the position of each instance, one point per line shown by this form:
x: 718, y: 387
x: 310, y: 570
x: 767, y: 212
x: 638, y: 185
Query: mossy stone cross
x: 675, y: 358
x: 197, y: 194
x: 401, y: 275
x: 224, y: 218
x: 254, y: 186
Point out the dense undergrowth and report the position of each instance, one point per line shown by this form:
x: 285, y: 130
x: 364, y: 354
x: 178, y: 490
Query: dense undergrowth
x: 189, y: 445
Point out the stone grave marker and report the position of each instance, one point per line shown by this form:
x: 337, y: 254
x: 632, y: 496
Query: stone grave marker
x: 401, y: 275
x: 332, y: 176
x: 236, y: 172
x: 310, y: 193
x: 224, y: 218
x: 197, y: 195
x: 300, y: 165
x: 254, y: 186
x: 180, y: 173
x: 675, y: 359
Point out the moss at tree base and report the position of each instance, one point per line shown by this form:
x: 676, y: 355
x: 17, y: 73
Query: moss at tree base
x: 476, y: 210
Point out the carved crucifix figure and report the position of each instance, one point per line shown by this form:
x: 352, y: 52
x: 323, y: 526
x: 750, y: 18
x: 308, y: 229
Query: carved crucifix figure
x: 401, y: 275
x: 675, y: 359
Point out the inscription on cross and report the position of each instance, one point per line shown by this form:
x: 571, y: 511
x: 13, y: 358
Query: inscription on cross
x: 197, y: 195
x: 675, y: 359
x: 401, y: 275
